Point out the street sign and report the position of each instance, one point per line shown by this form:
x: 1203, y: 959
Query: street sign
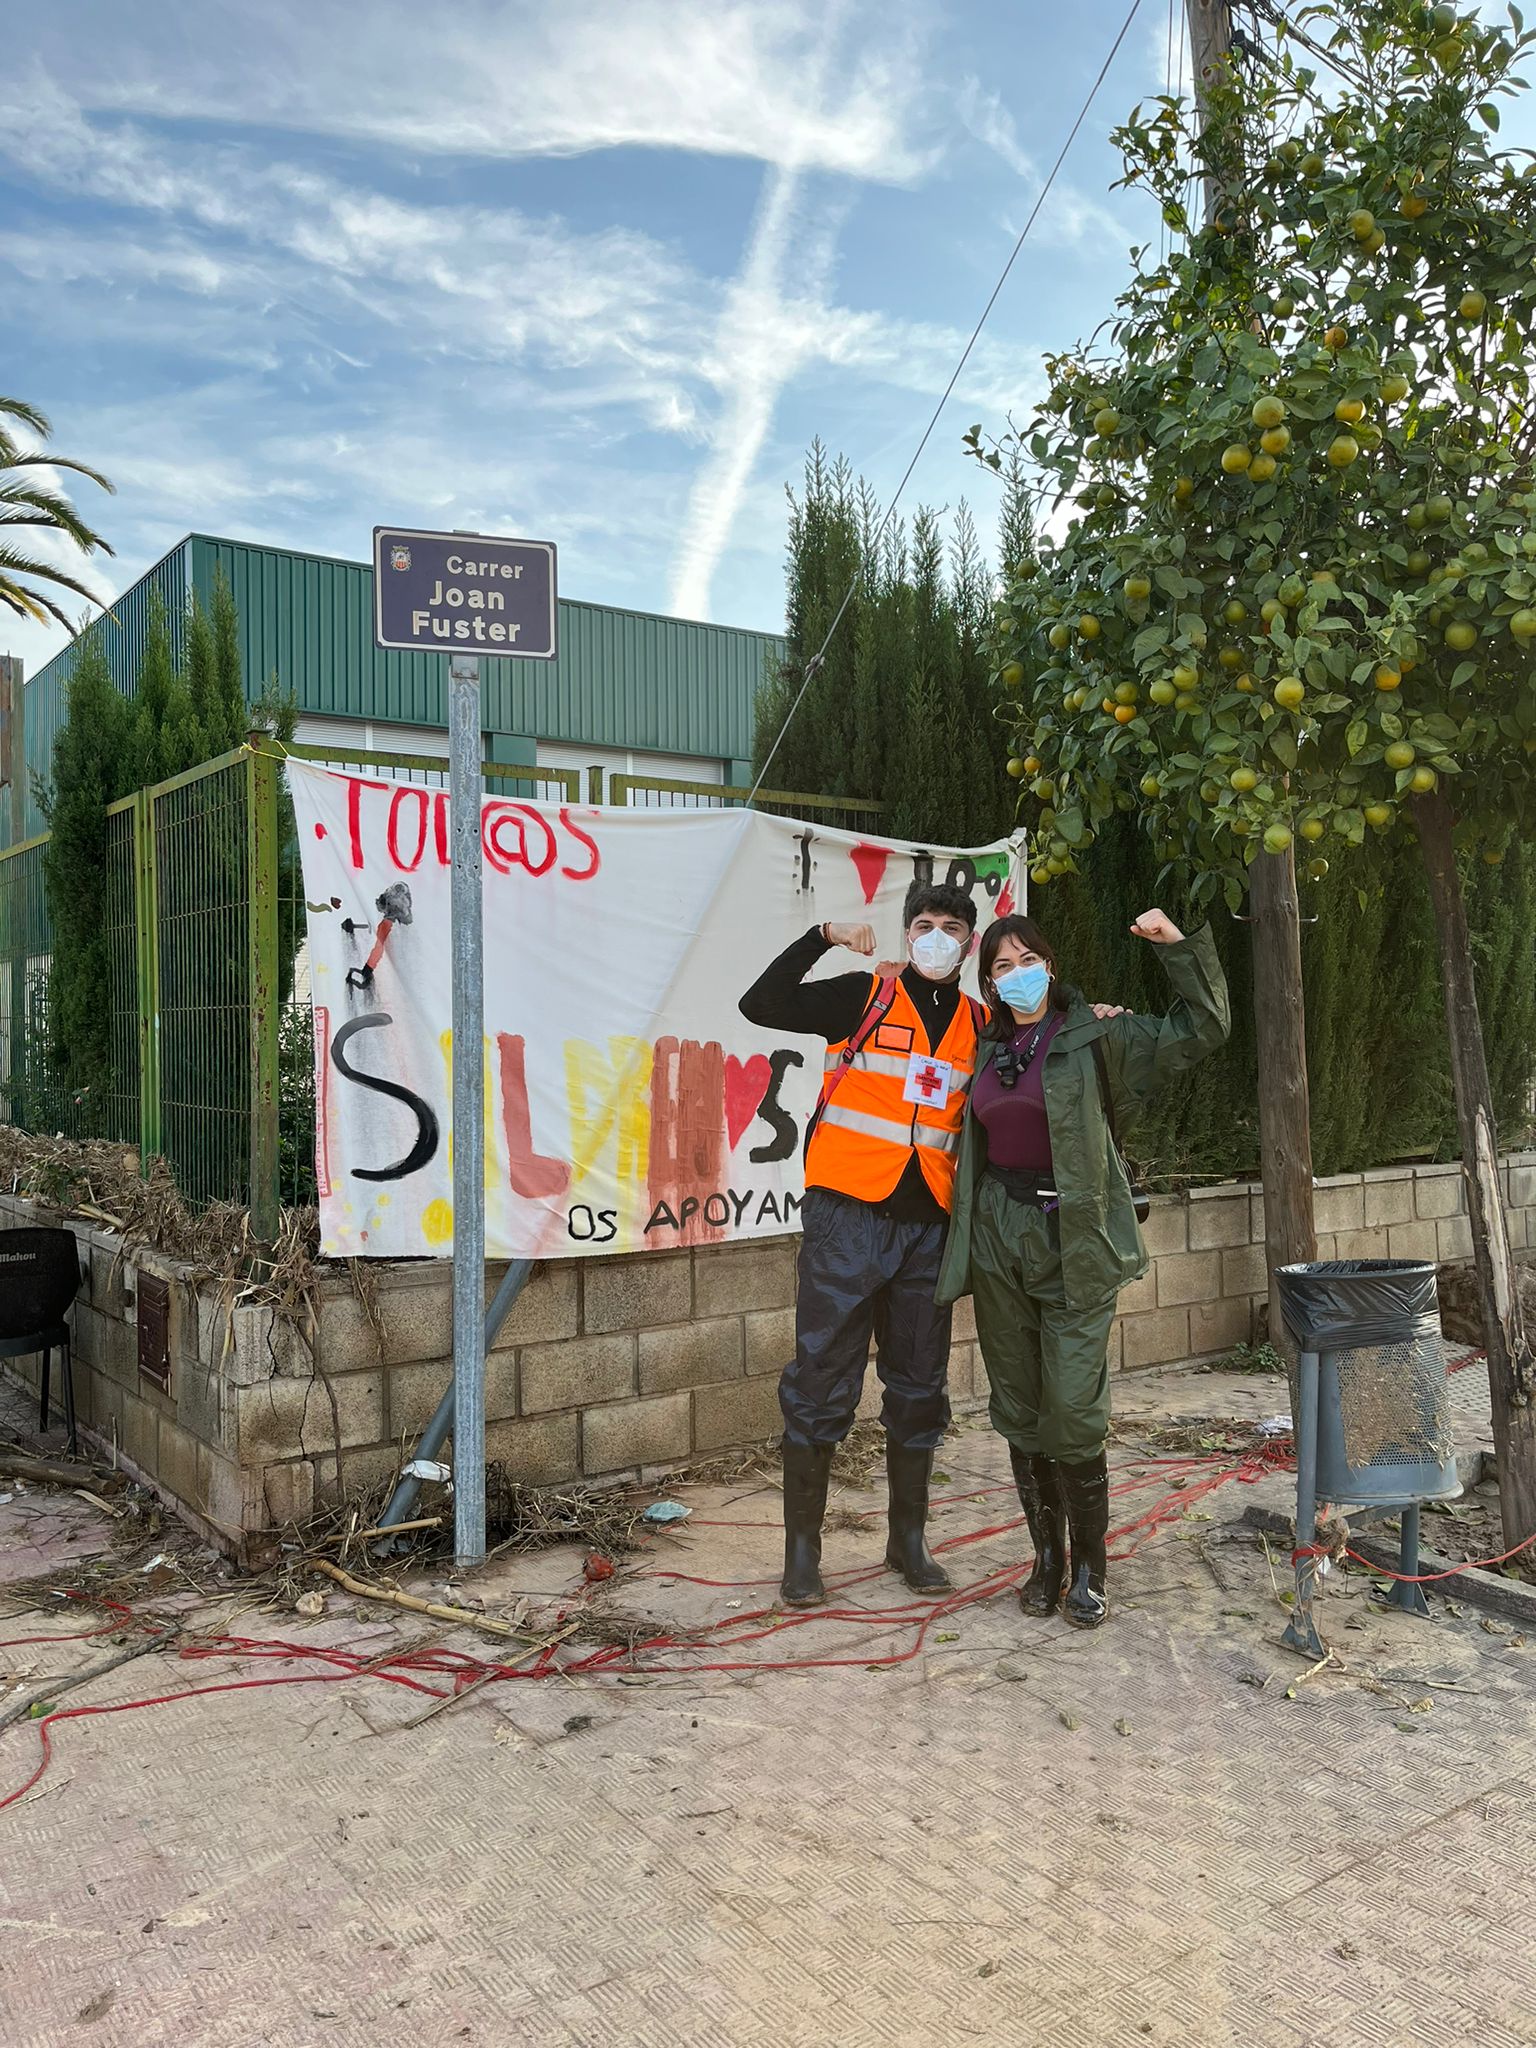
x: 463, y: 593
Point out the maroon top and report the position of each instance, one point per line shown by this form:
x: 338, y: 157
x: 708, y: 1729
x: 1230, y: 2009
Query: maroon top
x: 1018, y: 1135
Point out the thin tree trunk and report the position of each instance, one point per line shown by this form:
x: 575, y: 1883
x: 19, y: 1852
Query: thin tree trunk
x: 1279, y: 1008
x: 1285, y: 1130
x: 1511, y: 1367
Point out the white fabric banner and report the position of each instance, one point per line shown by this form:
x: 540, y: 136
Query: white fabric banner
x: 629, y: 1105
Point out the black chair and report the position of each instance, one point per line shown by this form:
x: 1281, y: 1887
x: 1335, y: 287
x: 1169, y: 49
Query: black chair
x: 39, y: 1278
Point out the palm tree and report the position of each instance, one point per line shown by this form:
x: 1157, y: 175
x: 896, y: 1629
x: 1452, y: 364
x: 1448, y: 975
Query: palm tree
x: 24, y: 503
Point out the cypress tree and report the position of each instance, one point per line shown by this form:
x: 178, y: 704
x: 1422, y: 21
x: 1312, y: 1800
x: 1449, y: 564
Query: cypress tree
x: 900, y: 710
x: 89, y: 763
x: 229, y: 720
x: 154, y: 694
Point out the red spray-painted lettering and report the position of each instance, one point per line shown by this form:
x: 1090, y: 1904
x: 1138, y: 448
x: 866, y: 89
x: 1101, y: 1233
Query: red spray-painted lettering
x: 512, y: 835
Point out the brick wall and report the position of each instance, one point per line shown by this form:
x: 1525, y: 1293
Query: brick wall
x: 611, y: 1367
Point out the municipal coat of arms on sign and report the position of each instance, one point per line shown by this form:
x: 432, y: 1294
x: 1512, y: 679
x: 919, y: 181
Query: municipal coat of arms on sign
x: 399, y: 557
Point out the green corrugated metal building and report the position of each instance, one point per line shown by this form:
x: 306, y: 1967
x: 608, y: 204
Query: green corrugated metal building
x: 630, y: 690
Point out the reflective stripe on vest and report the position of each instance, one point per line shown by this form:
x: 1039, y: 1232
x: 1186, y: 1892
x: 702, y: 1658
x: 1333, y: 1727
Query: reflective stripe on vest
x: 900, y: 1133
x: 890, y: 1063
x: 868, y: 1133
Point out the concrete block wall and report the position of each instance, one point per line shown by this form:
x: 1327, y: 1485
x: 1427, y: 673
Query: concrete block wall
x: 610, y: 1368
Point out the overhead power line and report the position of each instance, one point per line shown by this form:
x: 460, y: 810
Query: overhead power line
x: 819, y: 656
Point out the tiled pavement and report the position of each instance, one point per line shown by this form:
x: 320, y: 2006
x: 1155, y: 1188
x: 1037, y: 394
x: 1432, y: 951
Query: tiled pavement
x: 925, y: 1854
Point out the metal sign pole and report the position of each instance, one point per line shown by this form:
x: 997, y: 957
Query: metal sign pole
x: 464, y: 764
x: 473, y: 597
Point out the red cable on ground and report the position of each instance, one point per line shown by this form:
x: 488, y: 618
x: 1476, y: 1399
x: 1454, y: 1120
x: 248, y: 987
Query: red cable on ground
x: 413, y: 1668
x: 1473, y: 1564
x: 83, y: 1635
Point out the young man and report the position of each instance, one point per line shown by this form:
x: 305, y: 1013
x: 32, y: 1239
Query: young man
x: 879, y: 1180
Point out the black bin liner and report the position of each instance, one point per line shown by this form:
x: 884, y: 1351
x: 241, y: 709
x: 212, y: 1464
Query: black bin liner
x: 1347, y: 1304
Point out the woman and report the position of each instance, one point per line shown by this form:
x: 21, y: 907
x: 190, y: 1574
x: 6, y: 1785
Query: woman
x: 1044, y: 1232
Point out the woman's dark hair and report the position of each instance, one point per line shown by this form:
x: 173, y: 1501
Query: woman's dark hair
x: 999, y: 1017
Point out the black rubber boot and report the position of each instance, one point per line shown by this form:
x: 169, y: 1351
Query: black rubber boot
x: 806, y: 1470
x: 907, y: 1473
x: 1039, y: 1487
x: 1085, y: 1490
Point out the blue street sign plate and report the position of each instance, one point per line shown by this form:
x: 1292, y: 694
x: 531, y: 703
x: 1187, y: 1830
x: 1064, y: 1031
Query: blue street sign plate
x: 463, y: 593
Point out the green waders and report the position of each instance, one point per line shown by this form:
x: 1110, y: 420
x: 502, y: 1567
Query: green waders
x: 1048, y: 1363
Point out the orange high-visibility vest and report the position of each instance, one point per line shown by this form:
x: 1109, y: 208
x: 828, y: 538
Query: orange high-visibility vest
x: 869, y: 1129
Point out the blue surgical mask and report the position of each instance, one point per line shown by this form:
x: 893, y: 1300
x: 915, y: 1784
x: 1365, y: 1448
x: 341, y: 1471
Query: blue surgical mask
x: 1024, y: 988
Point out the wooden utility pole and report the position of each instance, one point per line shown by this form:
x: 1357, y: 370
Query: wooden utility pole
x: 1279, y: 1009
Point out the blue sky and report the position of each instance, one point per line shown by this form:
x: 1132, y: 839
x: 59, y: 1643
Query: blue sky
x: 589, y: 270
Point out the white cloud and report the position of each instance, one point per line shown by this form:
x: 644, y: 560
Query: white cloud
x: 332, y: 342
x: 1068, y: 216
x: 508, y: 78
x: 758, y: 346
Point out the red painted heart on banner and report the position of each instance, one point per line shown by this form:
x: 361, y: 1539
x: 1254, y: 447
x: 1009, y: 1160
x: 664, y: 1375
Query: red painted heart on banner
x: 746, y: 1083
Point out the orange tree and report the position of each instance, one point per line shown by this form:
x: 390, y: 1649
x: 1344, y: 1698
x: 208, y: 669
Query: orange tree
x: 1287, y: 589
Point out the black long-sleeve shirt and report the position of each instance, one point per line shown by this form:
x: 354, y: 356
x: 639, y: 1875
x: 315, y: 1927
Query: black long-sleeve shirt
x: 781, y: 999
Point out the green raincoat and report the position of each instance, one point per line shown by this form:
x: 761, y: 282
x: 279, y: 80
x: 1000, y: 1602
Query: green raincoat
x: 1101, y: 1244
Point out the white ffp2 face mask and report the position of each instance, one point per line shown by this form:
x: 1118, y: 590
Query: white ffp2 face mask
x: 936, y: 954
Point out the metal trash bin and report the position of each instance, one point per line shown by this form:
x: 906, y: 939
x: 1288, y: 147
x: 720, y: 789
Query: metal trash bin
x: 1384, y: 1406
x: 1372, y: 1407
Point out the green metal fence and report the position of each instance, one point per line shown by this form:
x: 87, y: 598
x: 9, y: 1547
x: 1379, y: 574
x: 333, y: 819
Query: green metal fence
x: 212, y: 1039
x: 25, y: 946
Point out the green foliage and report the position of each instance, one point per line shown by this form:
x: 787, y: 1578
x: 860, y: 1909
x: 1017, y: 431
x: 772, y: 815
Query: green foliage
x: 1368, y: 301
x: 296, y: 1105
x: 87, y: 773
x: 30, y: 499
x: 1291, y: 528
x: 1377, y: 1058
x: 110, y: 747
x: 900, y: 709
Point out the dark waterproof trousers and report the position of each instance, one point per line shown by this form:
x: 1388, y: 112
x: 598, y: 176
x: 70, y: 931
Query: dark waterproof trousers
x: 1047, y: 1362
x: 864, y: 1275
